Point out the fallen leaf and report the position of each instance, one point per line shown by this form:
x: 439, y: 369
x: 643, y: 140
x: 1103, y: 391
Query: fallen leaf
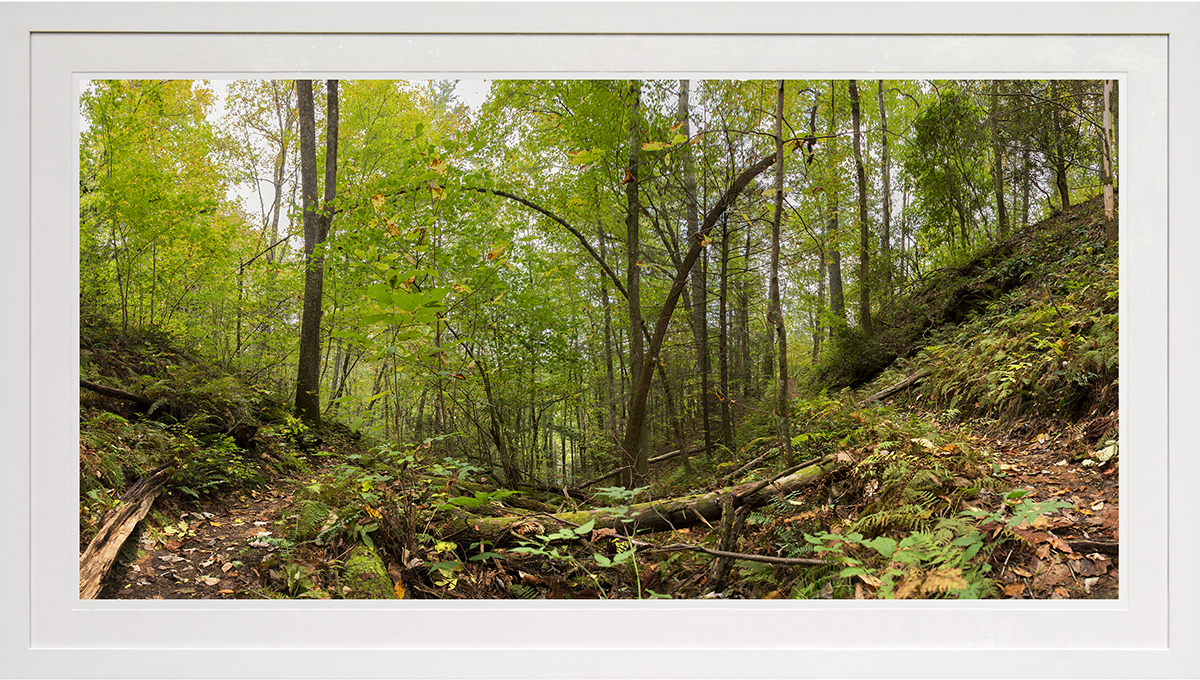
x: 1014, y: 590
x: 1020, y: 571
x: 944, y: 580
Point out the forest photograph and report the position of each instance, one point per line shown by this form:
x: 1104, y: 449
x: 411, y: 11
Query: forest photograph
x: 599, y: 339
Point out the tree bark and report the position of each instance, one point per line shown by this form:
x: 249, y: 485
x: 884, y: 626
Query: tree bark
x: 885, y: 237
x: 633, y: 453
x: 138, y: 399
x: 316, y: 228
x: 723, y: 340
x: 1106, y: 173
x: 640, y: 518
x: 116, y: 526
x: 837, y: 298
x: 637, y: 406
x: 775, y: 312
x: 998, y: 161
x: 699, y: 273
x: 1060, y: 159
x: 864, y: 231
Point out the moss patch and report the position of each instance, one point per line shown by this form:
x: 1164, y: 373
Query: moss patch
x: 366, y: 576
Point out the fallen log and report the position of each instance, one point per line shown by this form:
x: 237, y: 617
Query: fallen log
x: 657, y: 459
x: 113, y: 392
x: 116, y: 526
x: 649, y: 517
x: 898, y: 387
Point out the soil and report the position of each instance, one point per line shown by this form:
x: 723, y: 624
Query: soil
x: 1074, y: 555
x: 214, y: 552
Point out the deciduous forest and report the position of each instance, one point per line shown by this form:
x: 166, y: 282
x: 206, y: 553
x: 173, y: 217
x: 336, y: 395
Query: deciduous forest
x: 598, y: 339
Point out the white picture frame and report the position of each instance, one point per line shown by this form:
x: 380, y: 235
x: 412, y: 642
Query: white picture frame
x: 1152, y: 630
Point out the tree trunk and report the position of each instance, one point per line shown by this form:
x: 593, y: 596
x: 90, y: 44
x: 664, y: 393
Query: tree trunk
x: 116, y: 526
x: 1060, y: 159
x: 775, y: 311
x: 654, y: 516
x: 316, y: 229
x: 998, y: 161
x: 634, y: 451
x: 641, y: 388
x: 723, y: 340
x: 699, y: 273
x: 1106, y: 173
x: 837, y: 299
x: 864, y: 231
x: 286, y: 117
x: 885, y: 237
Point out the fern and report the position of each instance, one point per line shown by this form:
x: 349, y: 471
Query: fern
x: 524, y: 592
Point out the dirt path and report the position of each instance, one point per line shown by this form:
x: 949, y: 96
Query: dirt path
x: 215, y: 552
x: 1074, y: 554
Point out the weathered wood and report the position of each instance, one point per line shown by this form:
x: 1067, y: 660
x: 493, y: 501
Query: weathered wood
x: 116, y: 526
x: 657, y: 459
x: 898, y: 387
x: 117, y: 394
x: 650, y: 517
x: 748, y: 466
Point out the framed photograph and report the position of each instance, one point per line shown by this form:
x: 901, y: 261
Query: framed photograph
x: 49, y: 52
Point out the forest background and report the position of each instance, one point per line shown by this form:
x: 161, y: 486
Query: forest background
x: 501, y: 278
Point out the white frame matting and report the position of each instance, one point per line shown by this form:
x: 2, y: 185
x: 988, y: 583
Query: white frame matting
x: 1152, y: 630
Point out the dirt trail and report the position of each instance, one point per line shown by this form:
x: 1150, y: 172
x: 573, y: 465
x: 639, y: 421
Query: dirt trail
x: 215, y: 552
x: 1074, y: 554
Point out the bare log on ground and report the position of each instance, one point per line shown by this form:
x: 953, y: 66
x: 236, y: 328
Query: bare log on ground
x: 117, y: 394
x: 650, y: 517
x: 118, y: 523
x: 657, y: 459
x: 894, y: 389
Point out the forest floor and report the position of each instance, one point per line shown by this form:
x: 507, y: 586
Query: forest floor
x: 1074, y: 554
x: 216, y: 551
x: 221, y: 548
x: 997, y: 474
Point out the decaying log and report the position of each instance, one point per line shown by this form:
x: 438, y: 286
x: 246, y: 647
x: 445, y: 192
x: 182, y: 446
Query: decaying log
x: 138, y: 399
x: 898, y: 387
x: 650, y: 517
x: 116, y: 526
x: 657, y: 459
x: 749, y: 466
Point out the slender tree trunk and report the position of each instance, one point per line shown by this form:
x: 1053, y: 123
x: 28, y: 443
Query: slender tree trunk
x: 864, y: 231
x: 1060, y: 159
x: 723, y: 340
x: 837, y: 299
x: 316, y: 228
x: 746, y: 370
x: 1106, y: 173
x: 885, y: 237
x: 637, y: 407
x: 997, y: 160
x: 699, y: 273
x: 634, y: 459
x: 775, y: 313
x: 610, y: 378
x: 1027, y: 179
x: 286, y: 117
